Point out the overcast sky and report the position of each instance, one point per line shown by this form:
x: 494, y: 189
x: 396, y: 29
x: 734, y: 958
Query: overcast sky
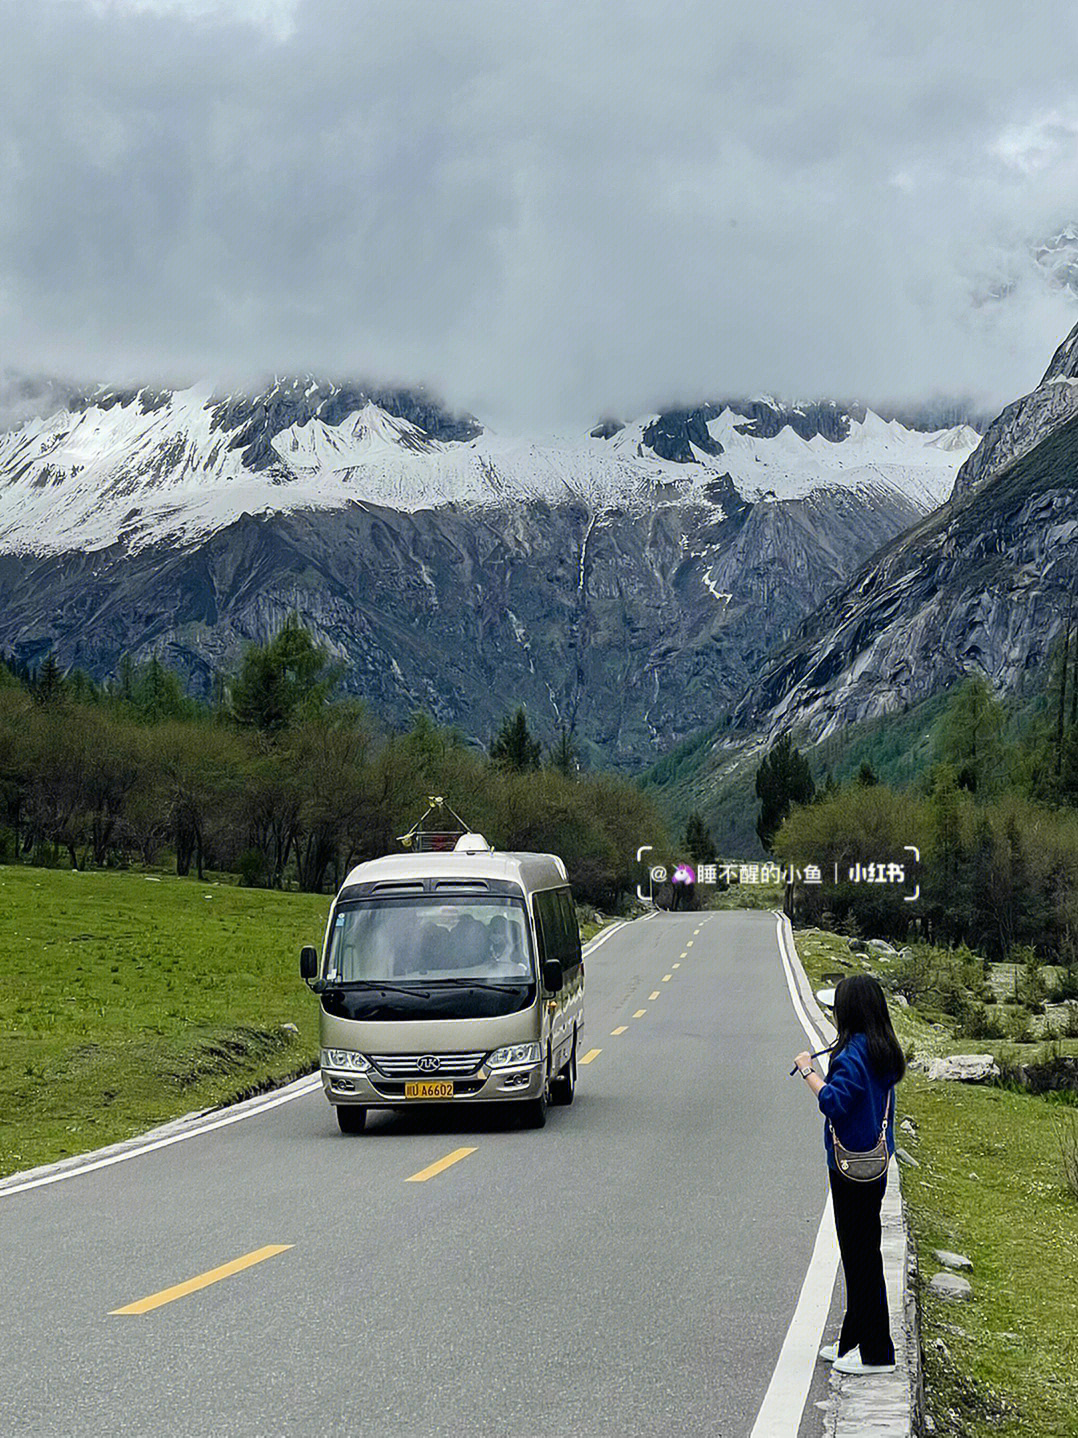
x: 548, y: 211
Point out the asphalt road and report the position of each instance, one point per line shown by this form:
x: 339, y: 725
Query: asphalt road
x: 630, y: 1269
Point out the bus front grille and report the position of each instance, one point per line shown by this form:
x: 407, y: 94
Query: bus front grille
x: 420, y: 1066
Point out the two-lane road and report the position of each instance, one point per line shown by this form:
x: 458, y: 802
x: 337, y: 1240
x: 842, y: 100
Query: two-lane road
x: 630, y: 1269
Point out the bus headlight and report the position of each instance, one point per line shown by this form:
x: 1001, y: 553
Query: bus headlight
x: 514, y: 1054
x: 344, y: 1059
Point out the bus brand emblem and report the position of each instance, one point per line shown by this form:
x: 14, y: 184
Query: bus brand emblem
x: 429, y: 1063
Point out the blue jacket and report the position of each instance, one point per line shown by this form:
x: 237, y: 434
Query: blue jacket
x: 853, y: 1099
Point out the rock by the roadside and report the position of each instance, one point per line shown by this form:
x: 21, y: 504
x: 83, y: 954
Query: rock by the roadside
x: 961, y: 1068
x: 289, y: 1029
x: 951, y: 1285
x: 905, y: 953
x: 908, y: 1126
x: 857, y: 946
x: 901, y: 1000
x: 906, y: 1158
x: 951, y: 1260
x: 881, y: 946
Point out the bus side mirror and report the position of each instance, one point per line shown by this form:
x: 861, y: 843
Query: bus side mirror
x: 308, y: 963
x: 552, y: 976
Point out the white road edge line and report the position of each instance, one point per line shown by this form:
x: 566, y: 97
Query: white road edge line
x: 299, y: 1089
x: 784, y: 1402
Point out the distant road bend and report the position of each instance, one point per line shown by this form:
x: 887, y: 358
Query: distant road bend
x: 643, y: 1265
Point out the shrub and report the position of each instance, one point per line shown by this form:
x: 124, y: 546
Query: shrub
x: 976, y: 1023
x: 252, y: 865
x: 1018, y: 1028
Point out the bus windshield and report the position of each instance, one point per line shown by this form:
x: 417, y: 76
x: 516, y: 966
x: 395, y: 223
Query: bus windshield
x: 425, y: 939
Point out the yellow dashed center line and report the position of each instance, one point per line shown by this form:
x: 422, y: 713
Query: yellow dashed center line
x: 432, y: 1170
x: 689, y: 943
x: 192, y: 1285
x: 666, y: 978
x: 675, y: 966
x: 591, y: 1054
x: 654, y: 995
x: 639, y: 1013
x: 619, y: 1030
x: 683, y: 955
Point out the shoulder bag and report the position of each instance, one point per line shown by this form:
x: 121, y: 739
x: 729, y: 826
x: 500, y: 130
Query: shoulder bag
x: 870, y: 1164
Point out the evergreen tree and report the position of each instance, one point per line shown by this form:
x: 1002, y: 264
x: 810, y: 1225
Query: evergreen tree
x: 514, y: 747
x: 47, y: 685
x: 698, y: 840
x: 278, y: 679
x: 782, y: 780
x: 563, y: 754
x: 866, y: 775
x: 969, y: 736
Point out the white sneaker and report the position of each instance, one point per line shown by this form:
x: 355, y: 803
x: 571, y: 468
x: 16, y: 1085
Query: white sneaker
x: 829, y: 1352
x: 851, y: 1363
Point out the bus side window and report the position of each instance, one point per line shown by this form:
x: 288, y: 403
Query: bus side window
x: 570, y: 928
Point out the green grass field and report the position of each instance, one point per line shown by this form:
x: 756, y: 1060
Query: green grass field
x: 990, y: 1185
x: 127, y: 1000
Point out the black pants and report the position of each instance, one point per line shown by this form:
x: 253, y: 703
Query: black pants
x: 857, y: 1222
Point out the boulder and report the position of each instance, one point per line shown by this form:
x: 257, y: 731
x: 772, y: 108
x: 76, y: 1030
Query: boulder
x: 951, y: 1260
x: 881, y: 946
x: 906, y: 1158
x: 951, y: 1286
x: 961, y: 1068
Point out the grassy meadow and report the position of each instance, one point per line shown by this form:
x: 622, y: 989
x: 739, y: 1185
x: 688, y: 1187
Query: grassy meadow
x: 129, y: 999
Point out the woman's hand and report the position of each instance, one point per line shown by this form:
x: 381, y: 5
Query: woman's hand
x: 803, y: 1060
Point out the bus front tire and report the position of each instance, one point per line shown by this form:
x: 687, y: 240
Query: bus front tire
x: 351, y: 1118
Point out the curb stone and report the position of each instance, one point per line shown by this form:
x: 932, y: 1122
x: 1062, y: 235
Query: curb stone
x: 887, y: 1405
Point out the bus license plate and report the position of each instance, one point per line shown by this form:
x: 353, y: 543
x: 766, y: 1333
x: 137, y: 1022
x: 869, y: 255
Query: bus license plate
x: 429, y: 1088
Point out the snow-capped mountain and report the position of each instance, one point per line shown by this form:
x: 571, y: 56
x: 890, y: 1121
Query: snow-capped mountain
x: 139, y: 469
x: 629, y: 581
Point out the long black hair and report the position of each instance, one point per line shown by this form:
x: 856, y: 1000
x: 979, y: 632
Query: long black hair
x: 861, y: 1008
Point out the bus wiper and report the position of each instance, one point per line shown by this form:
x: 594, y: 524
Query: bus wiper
x: 385, y: 984
x: 477, y: 979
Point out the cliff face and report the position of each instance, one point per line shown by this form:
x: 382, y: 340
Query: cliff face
x: 1027, y: 421
x: 632, y: 629
x: 981, y: 586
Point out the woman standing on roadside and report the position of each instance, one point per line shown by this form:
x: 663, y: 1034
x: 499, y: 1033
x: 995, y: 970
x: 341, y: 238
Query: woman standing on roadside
x: 858, y: 1101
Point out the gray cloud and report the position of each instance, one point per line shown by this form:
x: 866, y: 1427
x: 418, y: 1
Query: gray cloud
x: 546, y: 211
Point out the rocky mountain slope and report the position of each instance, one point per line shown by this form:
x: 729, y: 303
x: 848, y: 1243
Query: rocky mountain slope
x: 628, y: 582
x: 981, y: 586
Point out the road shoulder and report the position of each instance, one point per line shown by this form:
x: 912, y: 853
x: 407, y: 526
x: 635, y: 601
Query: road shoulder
x: 883, y: 1406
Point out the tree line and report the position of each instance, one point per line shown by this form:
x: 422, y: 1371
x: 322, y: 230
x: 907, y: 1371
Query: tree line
x: 277, y: 782
x: 994, y: 817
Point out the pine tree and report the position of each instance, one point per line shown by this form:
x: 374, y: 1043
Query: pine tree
x: 698, y: 840
x: 48, y: 682
x: 782, y: 780
x: 563, y: 754
x: 514, y: 747
x: 866, y: 775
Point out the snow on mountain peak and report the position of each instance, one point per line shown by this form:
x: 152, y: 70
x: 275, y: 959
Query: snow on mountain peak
x: 143, y: 467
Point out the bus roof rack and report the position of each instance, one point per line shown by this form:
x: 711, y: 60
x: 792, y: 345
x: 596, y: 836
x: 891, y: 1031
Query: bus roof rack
x: 439, y: 830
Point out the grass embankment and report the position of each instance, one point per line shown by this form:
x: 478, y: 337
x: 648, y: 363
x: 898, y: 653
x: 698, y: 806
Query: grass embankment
x: 990, y: 1186
x: 127, y: 1000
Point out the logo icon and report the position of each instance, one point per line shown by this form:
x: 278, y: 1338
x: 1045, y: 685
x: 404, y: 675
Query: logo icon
x: 429, y: 1063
